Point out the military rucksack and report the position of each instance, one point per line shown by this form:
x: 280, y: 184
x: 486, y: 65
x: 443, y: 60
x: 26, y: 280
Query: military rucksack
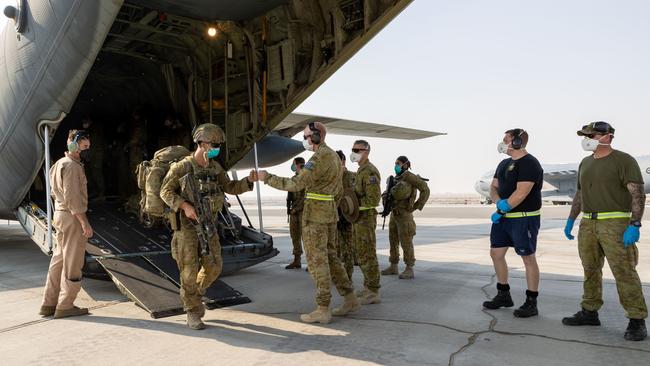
x: 150, y: 174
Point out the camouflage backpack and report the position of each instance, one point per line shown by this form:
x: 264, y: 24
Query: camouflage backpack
x: 150, y: 174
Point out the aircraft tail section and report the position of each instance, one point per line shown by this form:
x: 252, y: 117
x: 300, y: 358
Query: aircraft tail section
x: 42, y: 69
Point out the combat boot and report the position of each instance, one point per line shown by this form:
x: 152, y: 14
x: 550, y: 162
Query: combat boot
x: 350, y: 305
x: 74, y: 311
x: 370, y: 297
x: 582, y: 317
x: 529, y: 308
x: 47, y: 310
x: 321, y: 315
x: 194, y: 320
x: 295, y: 264
x: 362, y: 292
x: 390, y: 270
x: 636, y: 330
x: 502, y: 299
x: 407, y: 274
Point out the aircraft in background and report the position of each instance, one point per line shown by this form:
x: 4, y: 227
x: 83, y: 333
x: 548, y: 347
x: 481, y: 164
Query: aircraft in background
x: 559, y: 180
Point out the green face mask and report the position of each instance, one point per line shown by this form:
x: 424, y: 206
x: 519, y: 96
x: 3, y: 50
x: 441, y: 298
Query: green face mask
x: 293, y: 168
x: 398, y: 168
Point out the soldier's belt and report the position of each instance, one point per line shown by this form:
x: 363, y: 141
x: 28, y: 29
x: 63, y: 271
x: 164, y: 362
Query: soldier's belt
x: 606, y: 215
x: 319, y: 197
x: 515, y: 215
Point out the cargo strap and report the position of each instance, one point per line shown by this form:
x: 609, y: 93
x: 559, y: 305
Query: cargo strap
x: 319, y: 197
x: 606, y: 215
x: 515, y: 215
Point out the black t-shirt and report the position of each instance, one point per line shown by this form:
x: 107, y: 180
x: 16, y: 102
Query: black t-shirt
x: 525, y: 169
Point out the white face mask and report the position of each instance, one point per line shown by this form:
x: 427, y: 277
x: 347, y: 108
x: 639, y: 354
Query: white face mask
x: 502, y: 148
x: 355, y: 157
x: 591, y: 144
x: 307, y: 145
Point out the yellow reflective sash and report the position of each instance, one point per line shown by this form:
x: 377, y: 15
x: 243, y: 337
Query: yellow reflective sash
x: 319, y: 197
x: 606, y: 215
x: 363, y: 208
x: 516, y: 215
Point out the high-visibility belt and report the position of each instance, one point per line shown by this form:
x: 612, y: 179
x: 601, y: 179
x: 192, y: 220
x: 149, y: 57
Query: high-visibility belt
x: 319, y: 197
x: 515, y: 215
x: 606, y: 215
x: 364, y: 208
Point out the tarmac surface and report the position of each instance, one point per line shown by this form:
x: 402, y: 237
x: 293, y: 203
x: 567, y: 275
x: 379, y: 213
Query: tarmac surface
x: 435, y: 319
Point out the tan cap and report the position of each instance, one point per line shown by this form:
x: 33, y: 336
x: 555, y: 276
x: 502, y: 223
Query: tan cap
x: 208, y: 132
x: 596, y: 127
x: 349, y: 206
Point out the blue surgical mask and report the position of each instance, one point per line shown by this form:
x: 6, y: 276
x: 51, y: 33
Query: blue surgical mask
x: 293, y: 168
x: 398, y: 168
x: 213, y: 153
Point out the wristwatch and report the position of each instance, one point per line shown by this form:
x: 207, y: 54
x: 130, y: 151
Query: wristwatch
x: 636, y: 223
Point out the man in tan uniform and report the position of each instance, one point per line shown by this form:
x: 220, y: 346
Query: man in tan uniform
x: 295, y: 203
x: 321, y: 179
x: 198, y: 271
x: 368, y: 191
x: 401, y: 228
x: 72, y: 229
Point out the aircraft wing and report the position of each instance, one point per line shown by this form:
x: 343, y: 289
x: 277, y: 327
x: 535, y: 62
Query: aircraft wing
x: 561, y: 176
x: 296, y: 122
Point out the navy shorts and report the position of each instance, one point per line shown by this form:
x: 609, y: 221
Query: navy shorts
x: 520, y: 233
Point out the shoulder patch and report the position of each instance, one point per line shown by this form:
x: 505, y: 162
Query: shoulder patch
x: 373, y: 180
x: 309, y: 165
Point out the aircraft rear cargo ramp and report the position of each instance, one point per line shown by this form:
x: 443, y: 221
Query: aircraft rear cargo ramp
x: 138, y: 259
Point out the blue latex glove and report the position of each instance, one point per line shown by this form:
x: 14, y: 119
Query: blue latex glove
x: 568, y: 227
x: 496, y: 217
x: 631, y: 235
x: 503, y: 205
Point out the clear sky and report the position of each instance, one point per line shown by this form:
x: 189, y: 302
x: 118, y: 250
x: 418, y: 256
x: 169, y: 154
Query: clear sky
x: 475, y: 68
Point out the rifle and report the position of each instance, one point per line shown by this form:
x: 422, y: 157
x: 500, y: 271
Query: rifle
x: 387, y: 200
x: 206, y: 227
x: 289, y: 202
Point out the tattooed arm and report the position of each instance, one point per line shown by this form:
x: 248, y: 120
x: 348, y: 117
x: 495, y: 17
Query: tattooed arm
x: 638, y: 200
x: 576, y: 205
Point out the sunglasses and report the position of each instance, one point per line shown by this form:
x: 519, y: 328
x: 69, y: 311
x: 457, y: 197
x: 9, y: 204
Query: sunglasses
x: 213, y: 144
x: 356, y: 151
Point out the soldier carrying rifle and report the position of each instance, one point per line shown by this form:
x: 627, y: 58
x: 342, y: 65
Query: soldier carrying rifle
x: 194, y: 190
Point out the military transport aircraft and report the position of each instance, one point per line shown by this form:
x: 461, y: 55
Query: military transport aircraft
x: 244, y: 65
x: 562, y: 178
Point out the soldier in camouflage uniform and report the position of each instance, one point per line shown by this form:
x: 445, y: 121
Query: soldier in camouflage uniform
x: 401, y: 227
x: 321, y: 179
x: 611, y: 194
x: 368, y: 191
x: 295, y: 203
x: 198, y: 272
x: 344, y: 227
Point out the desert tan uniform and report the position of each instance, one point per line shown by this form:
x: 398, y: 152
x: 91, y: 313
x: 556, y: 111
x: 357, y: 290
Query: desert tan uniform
x: 197, y: 272
x: 321, y: 180
x: 402, y: 226
x: 607, y: 203
x: 368, y: 191
x: 69, y: 190
x: 295, y: 216
x: 344, y: 228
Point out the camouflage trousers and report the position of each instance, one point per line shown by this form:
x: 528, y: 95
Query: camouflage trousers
x: 295, y: 230
x: 197, y: 272
x: 401, y: 230
x: 600, y: 239
x: 365, y: 246
x: 344, y: 247
x: 325, y: 267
